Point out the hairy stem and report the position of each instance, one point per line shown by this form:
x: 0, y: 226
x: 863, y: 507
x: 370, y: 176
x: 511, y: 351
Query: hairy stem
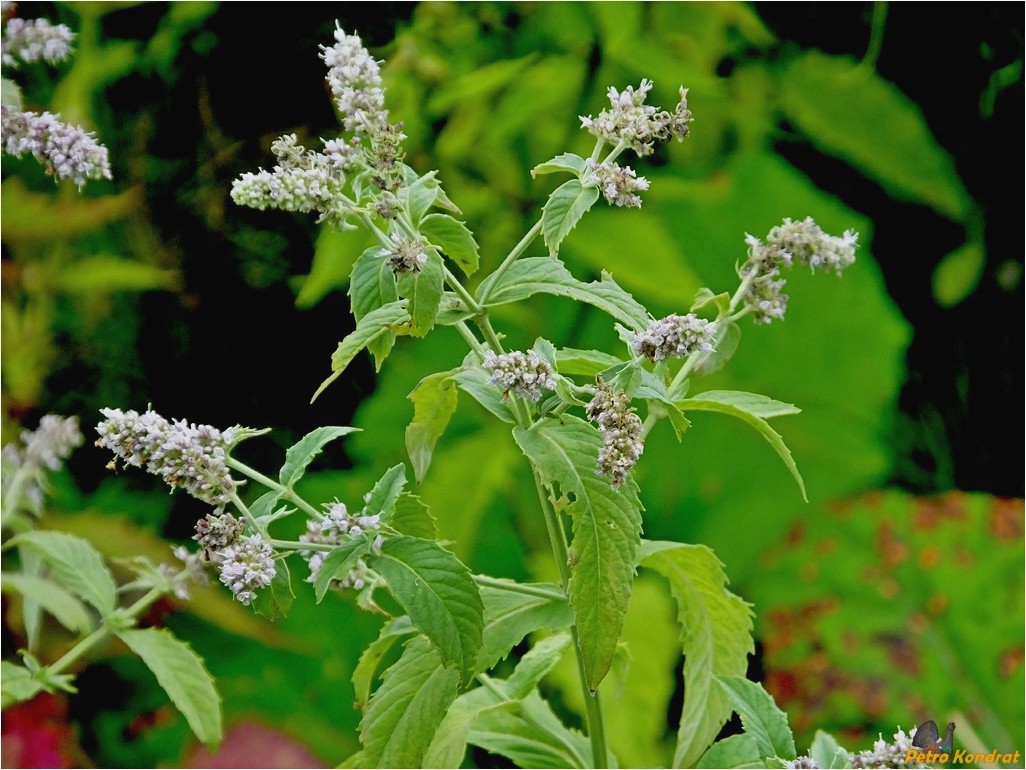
x: 287, y: 492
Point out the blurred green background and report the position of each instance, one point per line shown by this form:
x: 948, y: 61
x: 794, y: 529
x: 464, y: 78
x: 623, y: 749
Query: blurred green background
x: 894, y: 596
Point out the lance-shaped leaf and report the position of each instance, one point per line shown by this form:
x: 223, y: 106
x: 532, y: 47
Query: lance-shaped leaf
x: 716, y: 636
x: 423, y: 291
x: 390, y: 318
x: 404, y: 713
x: 76, y: 565
x: 54, y: 599
x: 752, y: 409
x: 182, y: 675
x: 606, y: 528
x: 544, y: 275
x: 454, y: 239
x: 564, y: 209
x: 434, y: 402
x: 760, y: 716
x: 412, y: 517
x: 438, y: 593
x: 302, y: 453
x: 367, y: 666
x: 510, y: 615
x: 385, y: 492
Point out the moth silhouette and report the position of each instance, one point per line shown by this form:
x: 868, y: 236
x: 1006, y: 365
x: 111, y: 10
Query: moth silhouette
x: 928, y: 739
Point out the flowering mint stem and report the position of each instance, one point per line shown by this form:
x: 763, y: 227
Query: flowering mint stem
x: 512, y: 257
x: 286, y: 492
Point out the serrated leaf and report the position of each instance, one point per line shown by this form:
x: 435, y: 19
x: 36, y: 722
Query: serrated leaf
x: 75, y: 565
x: 17, y: 684
x: 533, y: 736
x: 475, y: 383
x: 386, y: 491
x: 438, y: 593
x: 509, y: 616
x: 434, y: 402
x: 716, y: 638
x: 423, y: 291
x: 51, y: 597
x: 575, y: 164
x: 827, y: 752
x: 761, y: 717
x: 454, y: 239
x: 564, y: 209
x: 735, y: 751
x: 585, y: 362
x: 303, y: 452
x: 958, y: 274
x: 372, y: 285
x: 183, y: 676
x: 728, y: 404
x: 275, y: 600
x: 544, y: 275
x: 367, y: 666
x: 387, y: 319
x: 338, y: 563
x: 606, y: 532
x: 404, y: 713
x: 420, y: 195
x: 412, y: 517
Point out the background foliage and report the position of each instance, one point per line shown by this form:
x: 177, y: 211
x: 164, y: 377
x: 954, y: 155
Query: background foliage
x: 156, y: 289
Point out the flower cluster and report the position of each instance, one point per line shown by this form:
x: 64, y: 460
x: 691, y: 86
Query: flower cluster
x: 883, y: 754
x: 216, y: 531
x: 637, y: 125
x: 621, y: 433
x: 247, y: 566
x: 788, y: 243
x: 181, y: 577
x: 336, y: 526
x: 406, y: 255
x: 183, y: 454
x: 619, y: 184
x: 676, y: 336
x: 67, y: 151
x: 45, y: 448
x: 301, y: 181
x: 35, y: 40
x: 526, y: 374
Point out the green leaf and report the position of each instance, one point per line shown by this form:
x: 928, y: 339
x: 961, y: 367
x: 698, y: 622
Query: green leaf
x: 303, y: 452
x: 735, y: 751
x: 75, y: 565
x: 716, y: 637
x: 958, y: 274
x: 761, y: 717
x: 182, y: 675
x: 737, y: 405
x: 384, y: 320
x: 509, y: 616
x: 412, y: 517
x: 386, y: 491
x: 575, y: 164
x: 563, y: 210
x: 536, y: 663
x: 338, y: 563
x: 727, y: 341
x: 532, y: 736
x: 450, y: 742
x: 420, y: 195
x: 544, y: 275
x: 404, y: 713
x: 17, y: 684
x: 454, y: 239
x: 853, y: 113
x: 274, y: 601
x: 704, y: 298
x: 367, y: 666
x: 335, y: 253
x: 827, y: 752
x: 438, y: 593
x: 606, y: 528
x: 434, y: 402
x: 475, y: 382
x: 423, y: 291
x: 10, y: 94
x: 105, y: 273
x: 372, y: 285
x: 51, y: 597
x: 585, y: 362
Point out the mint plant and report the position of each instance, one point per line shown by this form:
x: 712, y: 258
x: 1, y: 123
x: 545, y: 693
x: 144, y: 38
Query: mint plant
x: 579, y: 417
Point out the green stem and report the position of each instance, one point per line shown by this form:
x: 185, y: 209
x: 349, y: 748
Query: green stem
x: 470, y: 339
x: 454, y: 284
x: 520, y: 588
x: 296, y: 545
x: 512, y: 257
x: 287, y: 492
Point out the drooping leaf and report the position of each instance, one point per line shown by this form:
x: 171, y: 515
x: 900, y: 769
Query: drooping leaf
x: 564, y: 209
x: 75, y: 565
x: 403, y: 714
x: 367, y: 666
x: 303, y: 452
x: 412, y: 517
x: 475, y: 382
x: 438, y: 593
x: 338, y: 563
x: 544, y: 275
x: 761, y: 717
x: 454, y: 239
x: 734, y: 751
x: 423, y: 291
x: 533, y: 736
x: 51, y: 597
x: 606, y: 529
x: 390, y: 318
x: 509, y: 616
x: 450, y: 741
x: 536, y: 663
x: 716, y: 637
x: 434, y: 402
x: 386, y: 491
x: 574, y: 164
x: 749, y: 410
x: 183, y: 676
